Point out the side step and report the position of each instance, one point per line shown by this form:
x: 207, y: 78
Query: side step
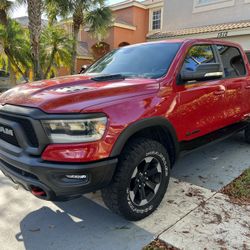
x: 216, y: 136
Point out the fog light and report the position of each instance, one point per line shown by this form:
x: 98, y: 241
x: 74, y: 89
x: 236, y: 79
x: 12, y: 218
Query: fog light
x: 77, y: 177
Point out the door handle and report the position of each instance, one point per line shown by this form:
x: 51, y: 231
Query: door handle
x: 219, y: 92
x: 247, y: 87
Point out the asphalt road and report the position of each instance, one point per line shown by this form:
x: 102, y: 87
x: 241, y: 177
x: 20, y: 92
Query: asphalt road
x: 29, y: 223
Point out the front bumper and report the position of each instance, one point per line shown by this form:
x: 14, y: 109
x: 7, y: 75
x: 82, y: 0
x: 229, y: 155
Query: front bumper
x: 21, y: 161
x: 34, y: 174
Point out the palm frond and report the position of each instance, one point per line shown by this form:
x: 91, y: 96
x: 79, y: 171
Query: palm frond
x: 14, y: 39
x: 56, y: 49
x: 99, y: 21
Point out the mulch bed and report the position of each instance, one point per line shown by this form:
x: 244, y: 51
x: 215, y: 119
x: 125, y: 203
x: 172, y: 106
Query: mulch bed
x: 159, y: 245
x: 239, y: 190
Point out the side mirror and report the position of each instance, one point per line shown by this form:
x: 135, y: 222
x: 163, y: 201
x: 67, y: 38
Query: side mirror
x: 83, y: 69
x: 203, y: 72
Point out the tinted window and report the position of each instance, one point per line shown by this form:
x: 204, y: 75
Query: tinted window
x: 248, y: 55
x: 197, y: 55
x: 232, y: 60
x: 145, y: 61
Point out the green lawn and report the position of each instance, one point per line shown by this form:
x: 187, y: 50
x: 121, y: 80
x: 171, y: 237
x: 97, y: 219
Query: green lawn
x: 239, y: 189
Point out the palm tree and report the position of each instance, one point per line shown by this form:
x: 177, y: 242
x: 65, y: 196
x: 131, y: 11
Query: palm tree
x: 51, y: 9
x: 56, y: 49
x: 15, y: 44
x: 84, y: 12
x: 99, y: 21
x: 35, y: 8
x: 8, y: 33
x: 5, y: 6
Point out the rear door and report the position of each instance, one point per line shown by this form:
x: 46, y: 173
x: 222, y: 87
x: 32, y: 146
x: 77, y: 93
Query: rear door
x: 237, y: 96
x: 248, y: 55
x: 200, y: 105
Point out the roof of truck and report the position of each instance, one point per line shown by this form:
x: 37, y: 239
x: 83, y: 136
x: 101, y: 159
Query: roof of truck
x: 193, y: 40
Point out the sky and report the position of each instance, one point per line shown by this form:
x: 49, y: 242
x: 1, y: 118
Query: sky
x: 21, y: 11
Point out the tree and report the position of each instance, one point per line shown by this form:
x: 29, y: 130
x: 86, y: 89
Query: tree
x: 9, y: 32
x: 84, y: 12
x: 35, y: 8
x: 5, y: 6
x: 99, y: 21
x: 15, y: 44
x: 56, y: 49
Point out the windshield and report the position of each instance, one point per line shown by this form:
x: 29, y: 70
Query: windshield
x: 144, y: 61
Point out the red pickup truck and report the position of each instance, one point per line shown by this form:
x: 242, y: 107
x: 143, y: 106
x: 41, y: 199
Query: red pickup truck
x: 121, y: 125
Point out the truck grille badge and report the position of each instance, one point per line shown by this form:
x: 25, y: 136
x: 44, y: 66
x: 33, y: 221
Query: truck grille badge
x: 6, y: 131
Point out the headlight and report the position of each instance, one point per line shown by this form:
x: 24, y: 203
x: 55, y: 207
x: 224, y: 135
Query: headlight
x: 73, y: 131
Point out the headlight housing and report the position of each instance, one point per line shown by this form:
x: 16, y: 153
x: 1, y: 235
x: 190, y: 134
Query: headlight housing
x: 75, y: 131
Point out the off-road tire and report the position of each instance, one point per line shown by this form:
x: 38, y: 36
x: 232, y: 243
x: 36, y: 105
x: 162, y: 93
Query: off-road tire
x: 117, y: 196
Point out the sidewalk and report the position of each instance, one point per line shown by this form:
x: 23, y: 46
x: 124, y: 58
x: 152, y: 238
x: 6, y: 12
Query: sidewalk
x: 215, y: 224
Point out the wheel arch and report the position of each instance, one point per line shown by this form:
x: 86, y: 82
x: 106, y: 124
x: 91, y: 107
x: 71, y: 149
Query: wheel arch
x: 157, y: 128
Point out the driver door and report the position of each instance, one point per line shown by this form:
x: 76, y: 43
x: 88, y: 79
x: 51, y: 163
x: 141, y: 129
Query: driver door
x: 199, y: 109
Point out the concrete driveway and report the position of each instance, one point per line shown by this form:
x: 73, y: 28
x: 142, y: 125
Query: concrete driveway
x: 215, y: 165
x: 29, y: 223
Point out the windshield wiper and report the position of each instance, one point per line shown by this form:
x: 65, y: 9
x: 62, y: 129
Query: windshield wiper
x: 108, y: 77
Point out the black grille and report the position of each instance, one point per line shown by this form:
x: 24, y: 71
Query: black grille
x: 7, y: 134
x: 18, y: 171
x: 27, y: 128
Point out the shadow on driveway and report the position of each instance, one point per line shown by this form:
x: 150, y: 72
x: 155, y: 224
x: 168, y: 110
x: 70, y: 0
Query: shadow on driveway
x: 84, y: 225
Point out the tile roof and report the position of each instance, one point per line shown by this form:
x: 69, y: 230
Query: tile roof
x: 149, y: 2
x: 200, y: 30
x: 121, y: 3
x: 142, y: 2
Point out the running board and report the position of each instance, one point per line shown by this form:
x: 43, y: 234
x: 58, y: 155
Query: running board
x: 216, y: 136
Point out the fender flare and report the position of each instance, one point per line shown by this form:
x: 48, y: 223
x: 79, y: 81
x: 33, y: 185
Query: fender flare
x: 143, y: 124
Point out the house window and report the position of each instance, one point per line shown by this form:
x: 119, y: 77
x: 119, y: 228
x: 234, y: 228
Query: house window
x: 207, y: 5
x: 156, y: 19
x: 203, y: 2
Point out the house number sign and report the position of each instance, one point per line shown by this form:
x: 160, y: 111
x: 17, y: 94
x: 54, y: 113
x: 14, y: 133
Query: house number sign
x: 222, y: 34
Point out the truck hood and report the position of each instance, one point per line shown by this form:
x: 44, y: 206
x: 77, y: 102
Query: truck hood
x: 72, y: 94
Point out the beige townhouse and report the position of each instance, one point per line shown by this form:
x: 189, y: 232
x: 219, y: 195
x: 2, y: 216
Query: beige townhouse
x: 223, y: 19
